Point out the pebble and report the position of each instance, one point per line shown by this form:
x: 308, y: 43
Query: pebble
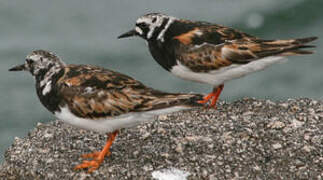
x: 276, y: 125
x: 296, y: 124
x: 179, y: 148
x: 277, y: 146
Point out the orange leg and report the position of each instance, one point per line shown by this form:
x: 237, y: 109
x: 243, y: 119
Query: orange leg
x: 206, y: 98
x: 214, y: 95
x: 97, y: 157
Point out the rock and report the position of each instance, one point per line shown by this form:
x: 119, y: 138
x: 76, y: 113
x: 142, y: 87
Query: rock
x: 246, y: 139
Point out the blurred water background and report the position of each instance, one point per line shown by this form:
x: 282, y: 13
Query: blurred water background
x: 85, y: 32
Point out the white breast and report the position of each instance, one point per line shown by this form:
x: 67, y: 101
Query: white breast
x: 110, y: 124
x: 224, y: 74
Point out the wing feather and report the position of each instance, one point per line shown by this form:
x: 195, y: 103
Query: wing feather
x: 96, y: 92
x: 207, y: 57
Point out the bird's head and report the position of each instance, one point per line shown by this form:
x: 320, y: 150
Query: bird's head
x: 39, y: 62
x: 150, y: 26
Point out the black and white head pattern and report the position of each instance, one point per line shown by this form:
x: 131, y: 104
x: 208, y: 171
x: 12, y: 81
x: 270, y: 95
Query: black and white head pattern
x: 43, y: 65
x: 40, y: 62
x: 153, y: 26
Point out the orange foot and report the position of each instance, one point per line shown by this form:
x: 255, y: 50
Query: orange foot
x: 97, y: 157
x: 214, y: 95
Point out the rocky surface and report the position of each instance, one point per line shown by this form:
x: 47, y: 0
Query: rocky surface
x: 246, y: 139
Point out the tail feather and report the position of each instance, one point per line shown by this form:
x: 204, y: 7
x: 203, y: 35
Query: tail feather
x: 292, y: 46
x: 193, y: 102
x: 190, y: 100
x: 296, y: 52
x: 307, y: 46
x: 306, y: 40
x: 165, y: 100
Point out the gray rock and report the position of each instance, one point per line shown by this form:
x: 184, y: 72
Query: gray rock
x: 248, y: 139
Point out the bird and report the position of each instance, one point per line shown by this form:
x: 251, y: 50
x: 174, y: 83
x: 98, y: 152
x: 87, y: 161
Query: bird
x: 98, y: 99
x: 210, y: 53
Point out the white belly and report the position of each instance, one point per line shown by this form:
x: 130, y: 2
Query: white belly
x: 110, y: 124
x: 224, y: 74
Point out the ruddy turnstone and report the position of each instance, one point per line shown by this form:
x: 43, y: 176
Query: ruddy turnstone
x: 97, y: 99
x: 210, y: 53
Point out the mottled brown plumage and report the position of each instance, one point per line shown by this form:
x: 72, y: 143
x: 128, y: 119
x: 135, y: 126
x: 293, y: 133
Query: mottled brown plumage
x: 98, y: 99
x: 204, y: 32
x: 209, y: 57
x: 95, y: 92
x: 210, y: 53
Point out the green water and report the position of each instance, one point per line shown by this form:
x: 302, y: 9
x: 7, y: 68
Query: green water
x: 84, y: 32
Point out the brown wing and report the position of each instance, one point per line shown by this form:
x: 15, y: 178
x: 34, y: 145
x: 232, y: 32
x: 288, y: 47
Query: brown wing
x: 202, y: 32
x: 207, y: 57
x: 96, y: 92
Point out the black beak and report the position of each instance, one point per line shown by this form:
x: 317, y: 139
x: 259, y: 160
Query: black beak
x: 18, y: 68
x: 128, y: 34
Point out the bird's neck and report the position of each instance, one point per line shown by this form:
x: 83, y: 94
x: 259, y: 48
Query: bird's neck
x: 177, y: 28
x: 46, y: 87
x: 169, y: 28
x: 162, y: 49
x: 165, y: 36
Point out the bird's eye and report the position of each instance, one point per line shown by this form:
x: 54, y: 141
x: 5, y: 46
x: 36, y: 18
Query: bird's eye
x: 154, y: 20
x: 29, y: 61
x: 142, y: 25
